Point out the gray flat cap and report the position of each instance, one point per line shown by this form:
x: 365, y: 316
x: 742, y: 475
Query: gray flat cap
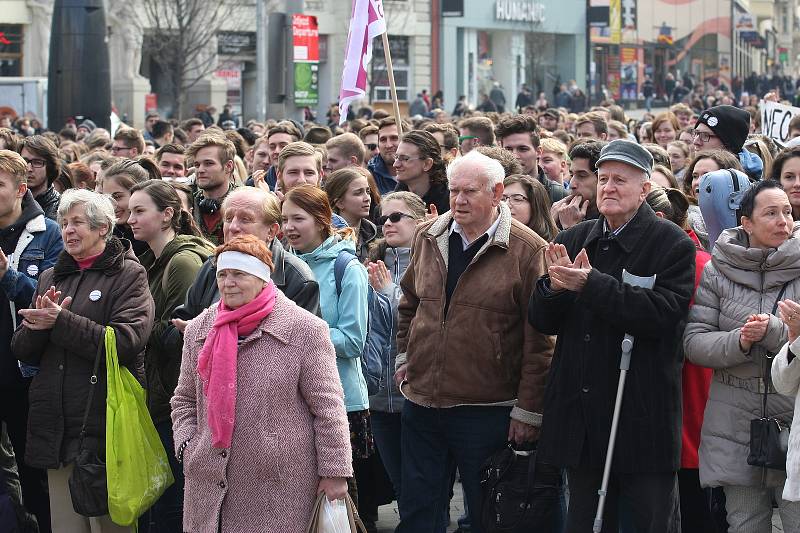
x: 627, y: 152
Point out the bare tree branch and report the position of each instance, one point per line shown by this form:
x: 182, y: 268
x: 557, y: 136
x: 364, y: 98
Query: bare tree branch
x: 180, y: 34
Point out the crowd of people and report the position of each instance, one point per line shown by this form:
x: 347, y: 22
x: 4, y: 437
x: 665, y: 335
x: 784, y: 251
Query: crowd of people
x: 239, y: 269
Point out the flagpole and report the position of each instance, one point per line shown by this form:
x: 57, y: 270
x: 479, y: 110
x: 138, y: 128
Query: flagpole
x: 393, y: 88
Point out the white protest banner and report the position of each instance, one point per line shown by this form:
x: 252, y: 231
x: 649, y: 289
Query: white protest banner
x: 775, y: 120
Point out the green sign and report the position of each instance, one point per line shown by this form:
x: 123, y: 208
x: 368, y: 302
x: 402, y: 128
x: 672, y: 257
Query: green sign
x: 306, y: 84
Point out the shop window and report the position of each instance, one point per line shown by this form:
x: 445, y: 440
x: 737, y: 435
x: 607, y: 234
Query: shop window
x: 401, y: 63
x: 10, y: 49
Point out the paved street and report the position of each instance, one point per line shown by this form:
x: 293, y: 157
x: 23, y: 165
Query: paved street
x: 388, y: 517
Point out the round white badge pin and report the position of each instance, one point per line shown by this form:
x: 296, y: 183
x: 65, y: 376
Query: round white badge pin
x: 713, y: 121
x: 95, y: 295
x: 32, y: 270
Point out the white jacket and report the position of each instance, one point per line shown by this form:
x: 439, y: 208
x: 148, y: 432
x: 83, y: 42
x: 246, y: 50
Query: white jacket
x: 786, y: 379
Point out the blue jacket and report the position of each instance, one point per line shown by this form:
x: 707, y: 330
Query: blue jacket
x: 389, y: 399
x: 346, y: 315
x: 386, y: 182
x: 37, y: 249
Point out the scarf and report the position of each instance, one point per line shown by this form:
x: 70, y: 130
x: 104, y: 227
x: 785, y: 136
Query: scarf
x: 216, y: 364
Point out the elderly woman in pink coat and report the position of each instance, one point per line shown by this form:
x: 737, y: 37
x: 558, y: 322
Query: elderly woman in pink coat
x: 258, y: 413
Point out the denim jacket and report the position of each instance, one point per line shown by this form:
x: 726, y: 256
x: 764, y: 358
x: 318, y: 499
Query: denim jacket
x: 36, y: 251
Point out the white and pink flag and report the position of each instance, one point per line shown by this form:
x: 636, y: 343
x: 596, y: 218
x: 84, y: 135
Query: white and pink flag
x: 366, y: 23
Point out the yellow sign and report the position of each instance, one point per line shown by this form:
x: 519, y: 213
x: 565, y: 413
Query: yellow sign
x: 615, y: 20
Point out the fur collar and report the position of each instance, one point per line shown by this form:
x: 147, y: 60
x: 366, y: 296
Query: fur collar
x: 109, y: 263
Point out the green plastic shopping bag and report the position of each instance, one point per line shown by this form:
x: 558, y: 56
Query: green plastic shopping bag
x: 137, y: 468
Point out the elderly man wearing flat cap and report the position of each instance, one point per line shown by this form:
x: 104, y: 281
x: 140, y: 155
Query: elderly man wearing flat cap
x: 584, y: 301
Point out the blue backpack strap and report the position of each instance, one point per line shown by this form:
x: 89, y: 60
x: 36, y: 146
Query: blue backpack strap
x: 339, y: 266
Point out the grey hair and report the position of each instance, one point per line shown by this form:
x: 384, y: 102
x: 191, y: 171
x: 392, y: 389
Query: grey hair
x: 99, y: 209
x: 490, y: 168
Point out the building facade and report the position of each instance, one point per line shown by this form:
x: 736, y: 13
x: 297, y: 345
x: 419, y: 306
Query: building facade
x: 713, y: 41
x: 507, y: 43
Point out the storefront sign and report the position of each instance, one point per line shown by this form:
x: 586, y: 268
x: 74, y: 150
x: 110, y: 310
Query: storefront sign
x: 150, y: 102
x: 745, y: 21
x: 629, y: 15
x: 615, y: 20
x: 305, y: 38
x: 231, y: 73
x: 236, y: 42
x: 519, y: 11
x: 305, y: 43
x: 452, y: 8
x: 775, y: 120
x: 306, y: 84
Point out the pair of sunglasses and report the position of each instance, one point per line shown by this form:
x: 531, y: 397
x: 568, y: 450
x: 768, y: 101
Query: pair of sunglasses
x: 394, y: 218
x: 371, y: 146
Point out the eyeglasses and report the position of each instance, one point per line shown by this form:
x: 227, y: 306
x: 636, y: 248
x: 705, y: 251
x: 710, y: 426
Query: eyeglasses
x: 705, y: 137
x: 394, y: 218
x: 405, y: 159
x: 463, y: 138
x: 35, y: 163
x: 514, y: 198
x: 371, y: 146
x: 117, y: 149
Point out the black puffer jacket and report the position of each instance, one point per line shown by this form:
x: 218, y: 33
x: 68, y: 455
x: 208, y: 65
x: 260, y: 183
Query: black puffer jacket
x: 66, y: 353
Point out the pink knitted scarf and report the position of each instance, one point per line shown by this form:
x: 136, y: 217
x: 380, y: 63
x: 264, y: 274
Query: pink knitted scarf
x: 216, y: 363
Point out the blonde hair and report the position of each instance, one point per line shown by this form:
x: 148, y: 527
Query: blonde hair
x: 554, y: 146
x: 299, y: 149
x: 13, y: 163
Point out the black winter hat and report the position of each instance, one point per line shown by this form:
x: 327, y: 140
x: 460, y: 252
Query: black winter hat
x: 730, y: 124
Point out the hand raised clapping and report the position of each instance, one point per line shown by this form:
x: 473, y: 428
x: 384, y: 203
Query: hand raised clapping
x: 789, y: 313
x: 45, y: 313
x: 565, y: 274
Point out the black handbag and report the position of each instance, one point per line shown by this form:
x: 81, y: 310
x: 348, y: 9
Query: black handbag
x: 88, y: 488
x: 518, y: 493
x: 769, y: 438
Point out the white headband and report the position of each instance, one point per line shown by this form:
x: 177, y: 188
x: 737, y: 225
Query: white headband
x: 245, y: 263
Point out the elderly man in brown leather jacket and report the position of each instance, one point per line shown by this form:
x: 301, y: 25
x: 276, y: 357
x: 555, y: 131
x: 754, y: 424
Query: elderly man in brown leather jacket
x: 471, y: 366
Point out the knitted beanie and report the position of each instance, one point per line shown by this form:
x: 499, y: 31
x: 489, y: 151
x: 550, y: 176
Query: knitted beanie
x: 730, y: 124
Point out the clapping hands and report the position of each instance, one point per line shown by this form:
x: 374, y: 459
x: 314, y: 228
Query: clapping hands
x: 44, y: 315
x: 564, y: 273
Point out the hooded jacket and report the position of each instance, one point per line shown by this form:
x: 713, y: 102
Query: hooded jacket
x: 34, y: 243
x: 367, y: 233
x: 388, y: 399
x: 346, y: 315
x: 169, y: 276
x: 739, y: 281
x: 65, y: 354
x: 386, y: 182
x: 48, y: 201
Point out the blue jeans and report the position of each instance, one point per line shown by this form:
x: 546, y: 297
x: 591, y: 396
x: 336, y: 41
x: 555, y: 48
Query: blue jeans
x: 432, y: 440
x: 386, y: 430
x: 166, y: 515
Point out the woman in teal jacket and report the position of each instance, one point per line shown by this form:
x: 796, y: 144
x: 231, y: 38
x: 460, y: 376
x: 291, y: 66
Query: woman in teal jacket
x: 307, y: 228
